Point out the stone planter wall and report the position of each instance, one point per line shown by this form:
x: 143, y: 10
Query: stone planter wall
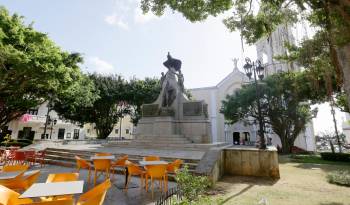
x: 244, y: 161
x: 251, y: 162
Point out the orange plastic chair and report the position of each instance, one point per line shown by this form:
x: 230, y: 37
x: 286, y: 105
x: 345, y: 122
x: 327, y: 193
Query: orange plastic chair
x: 96, y: 195
x: 102, y: 166
x: 40, y: 157
x: 55, y: 202
x: 19, y: 157
x: 30, y: 156
x: 134, y: 170
x: 2, y: 155
x: 151, y: 158
x: 159, y: 173
x: 22, y: 182
x: 10, y: 197
x: 174, y: 166
x: 13, y: 168
x: 119, y: 163
x: 103, y: 154
x: 62, y: 177
x: 9, y: 156
x: 83, y: 164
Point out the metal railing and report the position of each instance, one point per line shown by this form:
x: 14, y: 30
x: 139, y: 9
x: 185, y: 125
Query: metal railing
x: 172, y: 195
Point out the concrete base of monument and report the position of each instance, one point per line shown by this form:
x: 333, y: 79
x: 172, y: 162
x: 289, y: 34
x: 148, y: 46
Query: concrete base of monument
x: 176, y: 142
x: 191, y: 129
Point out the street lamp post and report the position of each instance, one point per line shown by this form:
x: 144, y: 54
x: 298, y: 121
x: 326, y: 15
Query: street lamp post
x: 256, y: 69
x: 52, y: 122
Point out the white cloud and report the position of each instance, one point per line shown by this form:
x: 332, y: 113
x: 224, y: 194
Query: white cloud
x: 95, y: 64
x: 139, y: 17
x: 114, y: 20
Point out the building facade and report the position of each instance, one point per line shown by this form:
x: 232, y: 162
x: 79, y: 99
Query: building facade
x: 346, y: 127
x: 34, y: 126
x: 59, y: 129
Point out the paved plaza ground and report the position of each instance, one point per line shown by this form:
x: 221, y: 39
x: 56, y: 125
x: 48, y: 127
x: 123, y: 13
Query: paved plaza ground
x: 300, y: 184
x: 115, y: 195
x: 172, y: 153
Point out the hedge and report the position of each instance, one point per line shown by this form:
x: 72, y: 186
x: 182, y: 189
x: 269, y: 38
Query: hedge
x: 17, y: 143
x: 342, y: 157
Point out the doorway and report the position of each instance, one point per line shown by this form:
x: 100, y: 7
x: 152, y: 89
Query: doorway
x: 60, y: 135
x: 236, y: 137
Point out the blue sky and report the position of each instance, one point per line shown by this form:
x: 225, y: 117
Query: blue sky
x: 115, y: 37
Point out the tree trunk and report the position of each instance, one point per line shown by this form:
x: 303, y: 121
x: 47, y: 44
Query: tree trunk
x: 343, y: 54
x: 286, y: 146
x: 103, y: 131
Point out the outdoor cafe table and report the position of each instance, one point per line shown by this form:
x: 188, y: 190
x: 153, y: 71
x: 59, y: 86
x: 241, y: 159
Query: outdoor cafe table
x: 111, y: 157
x: 147, y: 163
x: 9, y: 175
x: 53, y: 189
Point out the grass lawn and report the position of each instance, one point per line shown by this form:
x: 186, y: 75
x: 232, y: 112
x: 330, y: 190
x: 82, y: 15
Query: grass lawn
x: 300, y: 184
x: 314, y: 159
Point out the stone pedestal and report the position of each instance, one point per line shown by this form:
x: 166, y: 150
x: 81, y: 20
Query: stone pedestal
x: 195, y: 130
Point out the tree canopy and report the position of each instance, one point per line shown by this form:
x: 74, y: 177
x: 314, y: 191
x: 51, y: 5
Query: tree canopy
x: 33, y: 69
x: 285, y: 104
x: 117, y: 97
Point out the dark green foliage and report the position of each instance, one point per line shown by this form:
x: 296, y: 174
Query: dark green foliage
x: 142, y: 92
x: 15, y: 143
x: 339, y: 177
x: 192, y: 187
x: 194, y: 10
x: 342, y: 102
x: 341, y: 157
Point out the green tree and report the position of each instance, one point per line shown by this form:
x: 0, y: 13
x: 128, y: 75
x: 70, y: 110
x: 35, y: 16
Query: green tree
x: 142, y: 92
x: 329, y: 16
x: 284, y: 105
x: 116, y: 97
x: 111, y: 105
x: 32, y: 68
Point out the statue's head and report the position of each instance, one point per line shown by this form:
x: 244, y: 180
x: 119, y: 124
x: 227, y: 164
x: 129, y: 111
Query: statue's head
x: 169, y: 56
x: 172, y: 63
x: 162, y: 73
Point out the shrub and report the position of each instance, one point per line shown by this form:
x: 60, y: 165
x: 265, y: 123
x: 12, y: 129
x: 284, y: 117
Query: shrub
x: 342, y: 157
x: 27, y: 141
x: 339, y: 177
x: 203, y: 200
x: 191, y: 186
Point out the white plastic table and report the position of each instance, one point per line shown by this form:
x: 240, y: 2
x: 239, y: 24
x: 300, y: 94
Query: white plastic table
x: 53, y: 189
x: 145, y: 163
x: 111, y: 157
x: 9, y: 175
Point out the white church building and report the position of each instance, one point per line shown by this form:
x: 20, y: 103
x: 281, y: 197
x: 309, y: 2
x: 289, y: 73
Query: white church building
x: 239, y: 133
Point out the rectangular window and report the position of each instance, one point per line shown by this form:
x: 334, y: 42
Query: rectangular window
x: 32, y: 111
x: 88, y: 131
x: 76, y: 134
x: 127, y: 131
x: 60, y: 135
x: 116, y: 131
